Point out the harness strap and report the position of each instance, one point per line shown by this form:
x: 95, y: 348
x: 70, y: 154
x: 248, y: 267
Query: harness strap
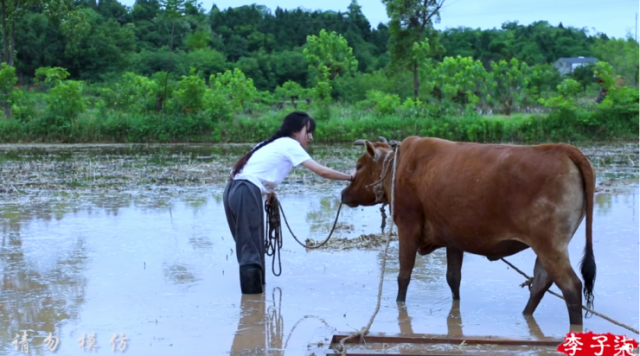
x: 378, y: 186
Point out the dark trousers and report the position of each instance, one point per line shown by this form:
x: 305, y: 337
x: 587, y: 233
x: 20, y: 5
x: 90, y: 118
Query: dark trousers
x: 244, y: 209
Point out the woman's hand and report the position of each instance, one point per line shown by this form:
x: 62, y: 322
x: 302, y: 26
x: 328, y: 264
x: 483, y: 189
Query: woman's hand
x: 326, y: 172
x: 269, y: 197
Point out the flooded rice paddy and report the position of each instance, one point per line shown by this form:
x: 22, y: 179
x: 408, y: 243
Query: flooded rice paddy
x: 131, y: 241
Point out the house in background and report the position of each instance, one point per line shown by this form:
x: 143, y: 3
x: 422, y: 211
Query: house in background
x: 567, y: 65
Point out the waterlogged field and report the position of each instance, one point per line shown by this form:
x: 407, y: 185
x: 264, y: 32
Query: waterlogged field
x: 132, y: 240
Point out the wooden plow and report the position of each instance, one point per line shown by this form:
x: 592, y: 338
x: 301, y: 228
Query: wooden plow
x: 326, y: 342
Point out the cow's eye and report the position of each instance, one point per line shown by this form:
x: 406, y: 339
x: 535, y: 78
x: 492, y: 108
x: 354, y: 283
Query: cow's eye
x: 358, y: 166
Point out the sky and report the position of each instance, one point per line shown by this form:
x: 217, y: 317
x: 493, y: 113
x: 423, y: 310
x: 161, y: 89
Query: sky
x: 613, y: 17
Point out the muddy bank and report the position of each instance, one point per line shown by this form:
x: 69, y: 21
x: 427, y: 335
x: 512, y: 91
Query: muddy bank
x: 26, y: 168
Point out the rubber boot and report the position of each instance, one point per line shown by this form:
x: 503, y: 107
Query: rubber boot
x: 251, y: 279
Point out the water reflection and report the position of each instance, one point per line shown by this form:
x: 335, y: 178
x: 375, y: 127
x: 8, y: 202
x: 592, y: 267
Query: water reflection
x: 321, y: 218
x: 34, y: 297
x: 200, y: 242
x: 260, y: 326
x: 321, y: 215
x: 275, y: 322
x: 534, y: 329
x: 179, y: 273
x: 454, y: 322
x: 428, y: 270
x: 603, y: 202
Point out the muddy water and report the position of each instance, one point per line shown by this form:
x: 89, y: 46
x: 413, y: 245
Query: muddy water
x: 135, y: 244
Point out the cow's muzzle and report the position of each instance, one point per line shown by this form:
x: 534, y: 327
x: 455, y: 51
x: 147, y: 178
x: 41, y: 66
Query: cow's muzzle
x: 344, y: 197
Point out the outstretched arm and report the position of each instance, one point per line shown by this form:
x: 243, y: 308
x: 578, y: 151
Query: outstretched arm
x: 325, y: 172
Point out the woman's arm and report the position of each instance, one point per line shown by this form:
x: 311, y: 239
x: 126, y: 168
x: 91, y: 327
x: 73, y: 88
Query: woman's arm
x: 325, y: 172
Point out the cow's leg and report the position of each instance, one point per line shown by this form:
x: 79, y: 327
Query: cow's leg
x: 541, y: 283
x: 408, y: 235
x: 454, y: 270
x: 555, y: 261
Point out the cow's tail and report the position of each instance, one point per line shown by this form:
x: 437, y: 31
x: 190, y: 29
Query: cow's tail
x: 588, y: 263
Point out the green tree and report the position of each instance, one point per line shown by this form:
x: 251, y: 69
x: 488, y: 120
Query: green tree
x: 173, y: 11
x: 189, y: 93
x: 11, y: 13
x: 53, y: 76
x: 135, y: 93
x: 584, y: 75
x: 7, y: 81
x: 100, y: 48
x: 459, y: 80
x: 565, y: 99
x: 331, y: 52
x: 64, y: 100
x: 509, y: 82
x: 411, y: 21
x: 329, y: 56
x: 543, y: 80
x: 617, y: 93
x: 622, y: 55
x: 236, y: 87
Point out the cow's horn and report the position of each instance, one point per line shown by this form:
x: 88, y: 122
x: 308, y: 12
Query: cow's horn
x: 359, y: 142
x: 381, y: 138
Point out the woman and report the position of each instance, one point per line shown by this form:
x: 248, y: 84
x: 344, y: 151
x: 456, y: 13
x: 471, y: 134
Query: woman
x: 257, y: 174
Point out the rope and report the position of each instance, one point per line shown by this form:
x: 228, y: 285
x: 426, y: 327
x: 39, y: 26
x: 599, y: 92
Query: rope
x: 365, y: 330
x: 273, y: 234
x: 296, y: 325
x: 530, y: 280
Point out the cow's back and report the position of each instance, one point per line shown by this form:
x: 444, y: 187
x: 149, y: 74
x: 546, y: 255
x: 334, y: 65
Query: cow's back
x: 468, y: 190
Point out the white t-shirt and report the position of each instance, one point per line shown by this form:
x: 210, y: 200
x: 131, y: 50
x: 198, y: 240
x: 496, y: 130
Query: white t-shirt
x: 268, y: 166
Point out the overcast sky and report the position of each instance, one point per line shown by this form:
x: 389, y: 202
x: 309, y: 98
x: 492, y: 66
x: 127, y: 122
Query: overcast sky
x: 613, y: 17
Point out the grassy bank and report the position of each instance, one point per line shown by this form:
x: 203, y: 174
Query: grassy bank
x: 344, y: 125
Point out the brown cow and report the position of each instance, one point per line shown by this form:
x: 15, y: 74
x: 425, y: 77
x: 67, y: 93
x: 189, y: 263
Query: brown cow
x: 493, y: 200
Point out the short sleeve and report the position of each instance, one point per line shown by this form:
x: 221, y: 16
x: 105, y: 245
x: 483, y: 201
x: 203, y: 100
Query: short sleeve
x: 297, y: 154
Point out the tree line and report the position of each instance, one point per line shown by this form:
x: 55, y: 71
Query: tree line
x: 99, y: 40
x: 168, y: 69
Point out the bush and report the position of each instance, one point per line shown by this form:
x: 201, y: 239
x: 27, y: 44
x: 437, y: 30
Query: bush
x: 346, y: 124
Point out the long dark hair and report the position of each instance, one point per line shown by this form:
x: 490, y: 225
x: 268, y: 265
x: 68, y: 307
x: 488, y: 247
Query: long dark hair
x: 292, y: 123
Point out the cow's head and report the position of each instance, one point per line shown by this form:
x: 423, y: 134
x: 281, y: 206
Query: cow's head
x: 368, y: 171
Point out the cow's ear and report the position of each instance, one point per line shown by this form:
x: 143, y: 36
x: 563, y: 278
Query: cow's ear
x: 371, y: 151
